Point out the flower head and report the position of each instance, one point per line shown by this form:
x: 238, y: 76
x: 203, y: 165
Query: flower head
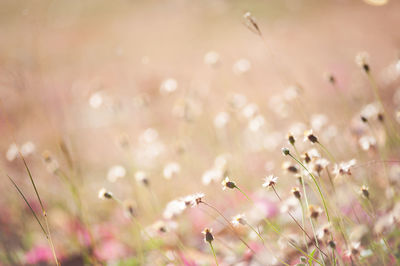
x: 270, y: 181
x: 309, y: 135
x: 296, y: 192
x: 208, y: 237
x: 314, y: 211
x: 239, y: 219
x: 227, y: 183
x: 104, y: 194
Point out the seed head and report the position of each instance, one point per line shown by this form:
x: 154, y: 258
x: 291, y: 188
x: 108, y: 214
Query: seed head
x: 362, y: 59
x: 314, y: 211
x: 310, y: 136
x: 270, y: 181
x: 291, y: 138
x: 332, y: 244
x: 104, y: 194
x: 296, y: 192
x: 208, y: 237
x: 365, y: 191
x: 285, y: 151
x: 227, y: 183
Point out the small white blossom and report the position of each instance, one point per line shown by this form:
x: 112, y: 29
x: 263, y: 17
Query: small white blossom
x: 171, y: 170
x: 116, y: 172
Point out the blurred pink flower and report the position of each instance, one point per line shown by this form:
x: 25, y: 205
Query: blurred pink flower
x: 38, y: 254
x: 110, y: 250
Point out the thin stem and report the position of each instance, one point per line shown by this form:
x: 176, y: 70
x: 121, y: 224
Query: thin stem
x: 316, y: 184
x: 229, y: 223
x: 215, y: 256
x: 327, y: 152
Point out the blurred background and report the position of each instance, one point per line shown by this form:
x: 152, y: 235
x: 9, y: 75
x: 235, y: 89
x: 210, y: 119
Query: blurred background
x: 92, y: 92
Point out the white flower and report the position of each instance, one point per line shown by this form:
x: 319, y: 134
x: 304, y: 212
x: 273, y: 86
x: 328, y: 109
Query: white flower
x: 174, y: 208
x: 27, y: 148
x: 270, y: 181
x: 227, y: 183
x: 96, y: 100
x: 211, y: 58
x: 141, y: 177
x: 239, y: 219
x: 193, y: 200
x: 12, y: 152
x: 116, y: 172
x: 344, y: 167
x: 171, y: 169
x: 212, y: 175
x: 241, y: 66
x: 367, y: 142
x: 168, y: 86
x: 104, y: 194
x: 221, y: 119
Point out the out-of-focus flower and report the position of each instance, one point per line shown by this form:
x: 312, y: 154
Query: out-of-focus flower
x: 208, y: 237
x: 27, y: 148
x: 364, y: 191
x: 241, y: 66
x: 211, y: 58
x: 12, y: 152
x: 296, y: 192
x: 290, y: 167
x: 116, y: 172
x: 142, y: 178
x: 239, y: 219
x: 212, y: 175
x: 362, y: 60
x: 38, y: 255
x: 221, y: 119
x: 96, y: 100
x: 168, y: 86
x: 367, y: 142
x: 172, y: 169
x: 343, y: 168
x: 270, y: 181
x: 309, y: 135
x: 227, y: 183
x: 104, y: 194
x: 193, y: 200
x: 314, y: 211
x: 174, y: 208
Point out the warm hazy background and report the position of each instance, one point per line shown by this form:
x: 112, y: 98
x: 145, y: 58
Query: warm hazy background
x: 54, y: 55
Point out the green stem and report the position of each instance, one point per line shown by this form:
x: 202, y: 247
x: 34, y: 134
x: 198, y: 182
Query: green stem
x: 215, y: 256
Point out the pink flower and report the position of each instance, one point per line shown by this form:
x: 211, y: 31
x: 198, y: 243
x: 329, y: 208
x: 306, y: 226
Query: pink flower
x: 39, y: 254
x: 110, y: 250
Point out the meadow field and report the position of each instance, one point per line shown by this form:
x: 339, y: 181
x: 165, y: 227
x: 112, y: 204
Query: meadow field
x: 188, y: 132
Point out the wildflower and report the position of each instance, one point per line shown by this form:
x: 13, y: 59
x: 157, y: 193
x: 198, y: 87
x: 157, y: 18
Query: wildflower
x: 332, y: 244
x: 306, y: 158
x: 116, y: 172
x: 193, y: 200
x: 174, y: 208
x: 168, y: 86
x: 208, y: 237
x: 320, y: 164
x: 324, y: 232
x: 51, y: 163
x: 367, y: 142
x: 285, y: 151
x: 289, y: 167
x: 365, y: 191
x: 270, y: 181
x: 309, y: 135
x: 241, y: 66
x: 96, y: 100
x: 212, y: 175
x: 296, y: 192
x: 171, y: 170
x: 221, y: 119
x: 314, y: 211
x: 354, y: 249
x: 141, y: 177
x: 129, y: 208
x: 239, y: 219
x: 291, y: 138
x: 362, y: 59
x: 211, y: 58
x: 251, y: 23
x: 343, y: 168
x: 12, y: 152
x: 227, y: 183
x: 104, y: 194
x: 27, y: 148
